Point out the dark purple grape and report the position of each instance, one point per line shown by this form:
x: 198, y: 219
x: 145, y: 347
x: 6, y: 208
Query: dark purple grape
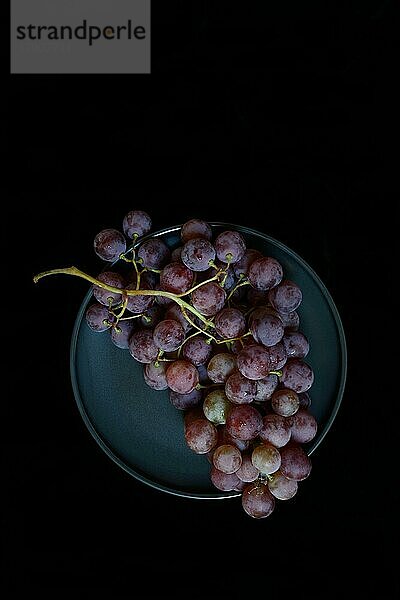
x: 142, y: 346
x: 168, y: 335
x: 98, y: 317
x: 104, y: 296
x: 297, y: 375
x: 121, y: 333
x: 185, y: 401
x: 296, y: 344
x: 304, y: 427
x: 286, y: 297
x: 239, y: 389
x: 267, y: 329
x: 265, y: 273
x: 285, y: 402
x: 241, y: 267
x: 257, y: 500
x: 247, y: 472
x: 275, y: 430
x: 277, y: 356
x: 109, y: 244
x: 209, y: 298
x: 220, y: 366
x: 226, y: 482
x: 266, y: 387
x: 197, y: 350
x: 253, y: 362
x: 154, y: 253
x: 201, y: 436
x: 295, y: 464
x: 197, y: 253
x: 176, y: 278
x: 182, y: 376
x: 281, y: 487
x: 136, y: 223
x: 290, y: 320
x: 230, y: 323
x: 154, y: 375
x: 230, y: 246
x: 195, y: 228
x: 244, y: 422
x: 227, y: 458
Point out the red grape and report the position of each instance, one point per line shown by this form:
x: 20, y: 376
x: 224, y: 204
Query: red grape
x: 182, y: 376
x: 257, y: 500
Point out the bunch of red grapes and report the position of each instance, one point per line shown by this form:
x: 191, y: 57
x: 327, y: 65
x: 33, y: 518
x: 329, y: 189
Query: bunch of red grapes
x: 216, y: 324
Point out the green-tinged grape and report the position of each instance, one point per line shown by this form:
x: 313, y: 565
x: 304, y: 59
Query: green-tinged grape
x: 266, y: 458
x: 221, y: 366
x: 216, y: 406
x: 281, y: 487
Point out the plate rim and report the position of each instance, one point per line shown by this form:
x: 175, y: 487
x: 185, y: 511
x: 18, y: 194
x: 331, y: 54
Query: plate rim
x: 218, y: 495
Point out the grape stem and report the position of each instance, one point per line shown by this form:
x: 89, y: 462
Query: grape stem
x: 200, y: 386
x: 209, y: 335
x: 74, y: 272
x: 236, y: 287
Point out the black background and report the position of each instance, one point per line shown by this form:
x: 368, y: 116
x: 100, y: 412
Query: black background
x: 282, y: 120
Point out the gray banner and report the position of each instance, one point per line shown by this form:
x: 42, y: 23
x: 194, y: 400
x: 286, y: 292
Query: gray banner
x: 80, y: 36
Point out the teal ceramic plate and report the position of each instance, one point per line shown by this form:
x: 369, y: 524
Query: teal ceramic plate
x: 139, y: 428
